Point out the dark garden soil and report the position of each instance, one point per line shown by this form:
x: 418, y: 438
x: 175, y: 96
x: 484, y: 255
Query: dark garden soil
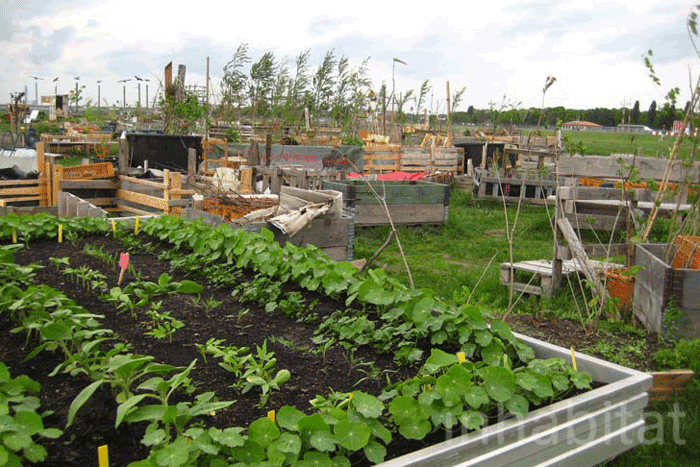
x: 312, y: 374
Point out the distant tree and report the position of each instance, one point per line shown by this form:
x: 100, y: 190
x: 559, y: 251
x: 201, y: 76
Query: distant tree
x: 651, y: 115
x: 323, y: 83
x: 667, y: 115
x: 635, y: 114
x: 262, y: 82
x: 234, y: 81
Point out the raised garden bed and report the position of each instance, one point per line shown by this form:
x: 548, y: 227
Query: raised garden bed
x: 360, y: 334
x: 409, y: 202
x: 666, y: 299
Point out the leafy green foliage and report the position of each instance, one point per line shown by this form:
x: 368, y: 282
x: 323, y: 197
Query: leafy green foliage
x: 20, y: 424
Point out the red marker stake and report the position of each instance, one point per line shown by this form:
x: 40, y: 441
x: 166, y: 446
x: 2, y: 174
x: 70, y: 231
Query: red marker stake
x: 123, y: 264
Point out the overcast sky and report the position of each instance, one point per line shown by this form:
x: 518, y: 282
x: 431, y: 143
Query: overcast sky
x: 495, y: 48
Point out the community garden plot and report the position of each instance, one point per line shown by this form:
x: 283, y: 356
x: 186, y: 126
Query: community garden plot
x: 217, y: 328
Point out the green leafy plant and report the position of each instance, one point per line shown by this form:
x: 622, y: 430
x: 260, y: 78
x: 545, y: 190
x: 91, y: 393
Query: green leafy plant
x: 164, y: 324
x: 21, y: 424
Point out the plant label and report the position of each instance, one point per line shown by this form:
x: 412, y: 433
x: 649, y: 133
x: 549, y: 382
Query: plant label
x: 271, y: 415
x: 124, y: 260
x: 14, y: 236
x: 573, y: 358
x: 136, y: 226
x: 103, y: 456
x: 60, y: 233
x: 114, y: 226
x: 123, y: 264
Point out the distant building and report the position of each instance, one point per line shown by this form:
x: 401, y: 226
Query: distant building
x: 627, y: 128
x: 579, y: 125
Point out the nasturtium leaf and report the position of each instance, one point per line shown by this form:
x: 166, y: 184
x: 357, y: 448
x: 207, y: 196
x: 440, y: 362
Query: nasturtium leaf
x: 537, y: 383
x: 379, y: 430
x: 31, y: 422
x: 323, y: 440
x: 493, y: 354
x: 517, y: 405
x: 263, y: 431
x: 287, y: 443
x: 428, y: 396
x: 446, y: 416
x: 288, y: 417
x: 34, y: 453
x: 449, y: 390
x: 375, y: 452
x: 51, y: 433
x: 422, y: 310
x: 173, y: 455
x: 317, y: 459
x: 154, y: 437
x: 367, y: 404
x: 312, y: 423
x: 230, y: 437
x: 503, y: 330
x: 341, y: 461
x: 499, y: 382
x: 525, y: 352
x: 476, y: 396
x: 438, y: 360
x: 403, y: 408
x: 250, y: 453
x: 415, y: 428
x: 16, y: 441
x: 474, y: 317
x: 472, y: 420
x: 352, y: 435
x: 483, y: 338
x: 4, y: 455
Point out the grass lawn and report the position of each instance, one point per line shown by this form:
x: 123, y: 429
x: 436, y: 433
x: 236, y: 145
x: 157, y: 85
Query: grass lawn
x: 626, y: 143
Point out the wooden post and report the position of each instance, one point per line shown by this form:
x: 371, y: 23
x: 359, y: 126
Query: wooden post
x: 166, y: 189
x: 268, y: 149
x: 449, y: 116
x: 175, y: 184
x: 123, y: 158
x: 191, y: 166
x: 57, y: 176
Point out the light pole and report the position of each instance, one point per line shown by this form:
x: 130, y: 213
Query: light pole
x: 124, y: 81
x: 139, y: 87
x: 77, y: 79
x: 98, y: 94
x: 55, y: 87
x: 36, y: 88
x: 393, y: 81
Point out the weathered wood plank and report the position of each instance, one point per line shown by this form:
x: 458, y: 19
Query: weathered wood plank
x: 400, y: 214
x: 609, y: 167
x: 89, y: 184
x: 579, y: 253
x: 145, y: 200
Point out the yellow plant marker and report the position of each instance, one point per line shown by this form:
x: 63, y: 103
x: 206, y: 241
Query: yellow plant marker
x: 461, y: 357
x: 60, y: 233
x: 14, y: 236
x: 103, y: 456
x: 136, y: 226
x: 271, y: 415
x: 573, y: 358
x: 351, y: 396
x: 114, y: 226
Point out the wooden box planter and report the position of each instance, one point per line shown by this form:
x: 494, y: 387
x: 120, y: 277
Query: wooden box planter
x: 584, y: 430
x: 333, y: 235
x: 657, y: 285
x: 409, y: 201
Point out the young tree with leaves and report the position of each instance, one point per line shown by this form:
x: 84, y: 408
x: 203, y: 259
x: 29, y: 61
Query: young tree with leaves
x: 235, y: 81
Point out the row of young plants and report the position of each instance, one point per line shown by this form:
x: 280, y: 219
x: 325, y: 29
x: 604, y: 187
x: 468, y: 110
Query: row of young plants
x: 489, y: 369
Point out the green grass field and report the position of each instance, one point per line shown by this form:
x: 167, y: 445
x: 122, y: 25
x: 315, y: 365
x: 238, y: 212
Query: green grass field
x: 645, y: 145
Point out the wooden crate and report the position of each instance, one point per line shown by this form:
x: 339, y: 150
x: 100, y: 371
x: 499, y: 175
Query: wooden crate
x: 409, y: 202
x: 431, y: 159
x: 382, y: 157
x: 658, y: 285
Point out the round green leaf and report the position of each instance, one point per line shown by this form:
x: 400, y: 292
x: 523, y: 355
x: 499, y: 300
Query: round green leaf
x: 375, y: 452
x: 287, y: 443
x: 352, y: 435
x: 517, y: 405
x: 263, y: 431
x: 288, y: 417
x: 317, y: 459
x: 472, y: 420
x: 499, y: 382
x: 415, y: 429
x: 323, y: 441
x: 367, y: 405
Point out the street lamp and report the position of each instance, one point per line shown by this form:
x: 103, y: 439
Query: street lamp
x: 36, y: 88
x: 77, y: 80
x: 139, y: 88
x: 393, y: 81
x: 98, y: 94
x: 55, y: 87
x: 124, y: 81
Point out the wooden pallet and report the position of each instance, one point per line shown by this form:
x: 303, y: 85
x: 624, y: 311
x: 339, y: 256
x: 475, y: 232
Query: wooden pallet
x: 542, y: 269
